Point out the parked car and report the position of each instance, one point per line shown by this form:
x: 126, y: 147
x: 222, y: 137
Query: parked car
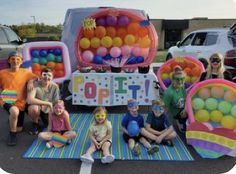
x: 201, y: 44
x: 9, y: 41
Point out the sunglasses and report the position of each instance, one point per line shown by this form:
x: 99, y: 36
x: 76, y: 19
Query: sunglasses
x: 157, y: 108
x: 47, y: 75
x: 216, y: 60
x: 179, y: 79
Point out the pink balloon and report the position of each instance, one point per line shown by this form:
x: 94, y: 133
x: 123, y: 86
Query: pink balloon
x: 125, y: 50
x: 102, y: 51
x: 87, y: 56
x: 145, y: 52
x: 136, y: 51
x: 115, y: 52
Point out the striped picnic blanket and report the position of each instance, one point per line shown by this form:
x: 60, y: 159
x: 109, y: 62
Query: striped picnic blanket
x: 80, y: 123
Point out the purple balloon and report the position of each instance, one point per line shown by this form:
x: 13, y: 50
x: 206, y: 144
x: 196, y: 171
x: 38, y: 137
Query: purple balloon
x: 123, y: 21
x: 139, y: 59
x: 187, y: 85
x: 111, y: 20
x: 100, y: 22
x: 167, y: 82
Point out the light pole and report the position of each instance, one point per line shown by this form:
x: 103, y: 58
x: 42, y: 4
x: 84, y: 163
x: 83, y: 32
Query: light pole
x: 33, y: 19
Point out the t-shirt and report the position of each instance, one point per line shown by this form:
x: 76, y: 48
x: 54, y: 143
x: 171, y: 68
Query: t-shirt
x: 100, y: 130
x: 227, y: 76
x: 58, y: 123
x: 128, y: 117
x: 158, y: 123
x: 174, y: 100
x: 16, y: 81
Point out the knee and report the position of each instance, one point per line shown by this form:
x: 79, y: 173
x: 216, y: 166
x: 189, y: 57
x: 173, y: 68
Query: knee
x: 14, y: 112
x: 33, y: 110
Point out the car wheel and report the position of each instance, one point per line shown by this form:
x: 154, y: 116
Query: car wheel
x: 169, y: 56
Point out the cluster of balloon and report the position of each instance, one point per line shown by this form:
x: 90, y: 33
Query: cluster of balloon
x: 192, y: 71
x: 215, y: 104
x: 133, y: 128
x: 114, y: 38
x: 48, y: 57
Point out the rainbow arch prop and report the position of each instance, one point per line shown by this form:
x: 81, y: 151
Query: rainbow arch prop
x: 116, y: 37
x: 211, y: 108
x: 58, y: 140
x: 191, y: 66
x: 51, y: 54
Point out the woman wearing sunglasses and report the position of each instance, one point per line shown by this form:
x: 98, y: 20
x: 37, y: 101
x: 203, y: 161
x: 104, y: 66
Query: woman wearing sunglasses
x: 216, y: 69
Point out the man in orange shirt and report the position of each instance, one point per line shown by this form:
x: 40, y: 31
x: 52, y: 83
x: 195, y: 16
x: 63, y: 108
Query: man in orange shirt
x: 12, y: 87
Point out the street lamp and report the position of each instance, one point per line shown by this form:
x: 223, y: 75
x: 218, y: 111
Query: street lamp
x: 33, y: 19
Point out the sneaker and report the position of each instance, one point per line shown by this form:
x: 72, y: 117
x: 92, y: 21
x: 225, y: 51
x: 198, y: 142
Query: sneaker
x: 49, y: 145
x: 136, y: 150
x: 11, y: 141
x: 108, y: 159
x: 34, y: 130
x: 87, y: 159
x: 167, y: 143
x: 153, y: 149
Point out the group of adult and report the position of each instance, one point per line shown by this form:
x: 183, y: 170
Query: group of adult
x: 34, y: 96
x: 175, y: 96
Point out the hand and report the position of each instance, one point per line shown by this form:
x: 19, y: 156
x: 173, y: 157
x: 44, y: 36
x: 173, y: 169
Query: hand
x: 159, y: 139
x: 98, y: 145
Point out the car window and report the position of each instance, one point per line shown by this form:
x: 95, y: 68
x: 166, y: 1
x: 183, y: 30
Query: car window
x: 187, y: 40
x: 232, y: 40
x: 11, y: 35
x: 211, y: 38
x: 3, y: 38
x: 199, y: 39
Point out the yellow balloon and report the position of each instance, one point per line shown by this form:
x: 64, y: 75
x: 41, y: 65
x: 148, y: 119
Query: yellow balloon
x: 228, y: 122
x: 129, y: 39
x: 187, y: 79
x: 145, y: 42
x: 164, y: 76
x: 106, y: 41
x: 117, y: 42
x: 84, y: 43
x: 95, y: 42
x: 216, y: 116
x: 202, y: 115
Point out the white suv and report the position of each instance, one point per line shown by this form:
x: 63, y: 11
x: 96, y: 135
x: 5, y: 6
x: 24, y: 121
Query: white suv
x: 203, y: 43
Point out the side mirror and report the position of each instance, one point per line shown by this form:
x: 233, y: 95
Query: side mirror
x: 24, y: 40
x: 178, y: 43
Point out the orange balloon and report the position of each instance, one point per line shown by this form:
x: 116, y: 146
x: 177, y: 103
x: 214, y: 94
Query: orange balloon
x: 37, y: 72
x: 36, y: 67
x: 59, y: 66
x: 191, y: 65
x: 196, y: 71
x: 111, y: 31
x: 121, y: 32
x: 100, y: 31
x: 166, y: 69
x: 183, y: 64
x: 143, y: 31
x: 187, y: 71
x: 145, y: 42
x: 89, y: 33
x: 173, y: 64
x: 133, y: 28
x: 59, y: 73
x: 51, y: 65
x: 43, y: 67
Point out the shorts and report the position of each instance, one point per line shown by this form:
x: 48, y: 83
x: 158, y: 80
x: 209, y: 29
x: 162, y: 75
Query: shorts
x: 109, y: 141
x: 61, y: 132
x: 126, y: 137
x: 21, y: 117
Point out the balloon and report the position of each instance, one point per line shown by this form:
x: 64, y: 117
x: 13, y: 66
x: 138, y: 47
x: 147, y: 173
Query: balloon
x: 202, y: 115
x: 211, y: 104
x: 43, y: 61
x: 131, y: 60
x: 36, y: 67
x: 106, y: 41
x: 166, y: 69
x: 117, y: 41
x: 59, y: 73
x: 115, y: 52
x: 233, y: 111
x: 229, y: 96
x: 187, y: 85
x: 193, y: 79
x: 111, y: 31
x: 34, y: 53
x: 204, y: 93
x: 57, y: 52
x: 100, y: 32
x: 58, y: 59
x: 187, y: 71
x: 84, y: 43
x: 136, y: 51
x: 125, y: 50
x: 144, y: 52
x: 133, y: 128
x: 139, y: 59
x: 111, y: 20
x: 164, y: 76
x: 121, y: 32
x: 107, y: 57
x: 167, y: 82
x: 143, y: 31
x: 187, y: 79
x: 59, y: 66
x: 129, y: 39
x: 87, y: 56
x: 88, y: 33
x: 35, y: 60
x: 145, y: 42
x: 196, y: 71
x: 123, y: 21
x: 95, y: 42
x: 43, y: 53
x: 216, y: 116
x: 217, y: 92
x: 100, y: 22
x: 224, y: 107
x: 198, y: 103
x: 51, y: 57
x: 97, y: 60
x: 102, y: 51
x: 51, y: 65
x: 133, y: 28
x: 228, y: 122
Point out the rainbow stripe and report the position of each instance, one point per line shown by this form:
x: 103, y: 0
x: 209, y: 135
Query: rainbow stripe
x: 58, y: 140
x: 9, y: 96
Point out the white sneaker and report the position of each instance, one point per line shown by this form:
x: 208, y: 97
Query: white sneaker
x: 180, y: 126
x: 87, y: 159
x: 48, y: 145
x: 108, y: 159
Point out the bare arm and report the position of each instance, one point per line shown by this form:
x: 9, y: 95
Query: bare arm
x: 49, y: 122
x: 67, y: 120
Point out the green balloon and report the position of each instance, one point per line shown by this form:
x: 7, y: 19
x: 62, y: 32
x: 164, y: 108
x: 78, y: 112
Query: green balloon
x: 35, y: 60
x: 224, y: 107
x: 43, y: 61
x: 233, y: 111
x: 51, y: 57
x: 211, y: 104
x: 198, y: 103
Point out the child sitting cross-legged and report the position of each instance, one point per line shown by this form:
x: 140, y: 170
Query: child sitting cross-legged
x: 134, y: 131
x: 58, y: 121
x: 100, y: 133
x: 158, y: 124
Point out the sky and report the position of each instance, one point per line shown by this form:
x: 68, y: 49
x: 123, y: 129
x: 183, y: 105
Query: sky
x: 52, y: 12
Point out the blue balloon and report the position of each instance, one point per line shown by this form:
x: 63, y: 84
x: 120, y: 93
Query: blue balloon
x: 97, y: 59
x: 57, y: 52
x: 34, y: 53
x: 133, y: 128
x: 140, y: 59
x: 51, y: 51
x: 43, y: 53
x: 107, y: 57
x: 131, y: 60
